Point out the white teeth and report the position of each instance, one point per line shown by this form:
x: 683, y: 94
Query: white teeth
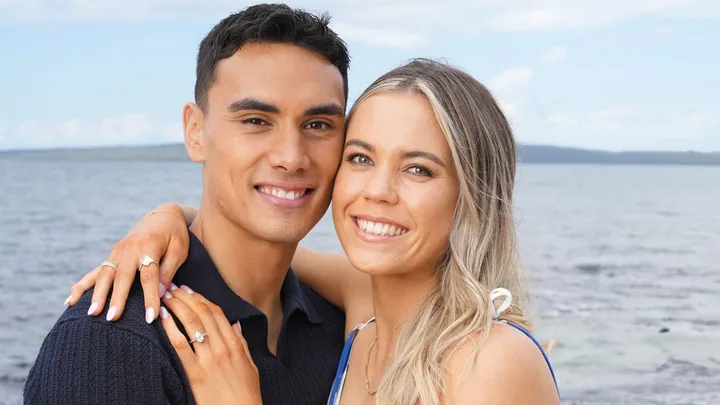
x: 377, y: 228
x: 280, y: 193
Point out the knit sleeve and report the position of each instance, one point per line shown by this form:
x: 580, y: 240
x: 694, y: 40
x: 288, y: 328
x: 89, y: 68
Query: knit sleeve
x: 85, y: 361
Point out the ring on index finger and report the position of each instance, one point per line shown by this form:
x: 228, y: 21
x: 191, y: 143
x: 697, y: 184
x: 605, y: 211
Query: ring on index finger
x: 146, y: 261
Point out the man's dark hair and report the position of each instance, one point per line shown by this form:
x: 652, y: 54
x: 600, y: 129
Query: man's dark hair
x: 267, y: 23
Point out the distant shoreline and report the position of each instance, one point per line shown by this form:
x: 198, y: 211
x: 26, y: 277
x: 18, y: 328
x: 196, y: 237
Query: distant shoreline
x: 527, y: 154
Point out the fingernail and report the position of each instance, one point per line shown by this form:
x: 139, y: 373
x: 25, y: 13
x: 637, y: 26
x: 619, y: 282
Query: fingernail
x: 239, y: 327
x: 164, y: 313
x: 161, y: 289
x: 93, y: 307
x: 150, y: 315
x: 111, y: 313
x: 67, y: 299
x: 167, y: 295
x: 186, y: 289
x: 173, y: 287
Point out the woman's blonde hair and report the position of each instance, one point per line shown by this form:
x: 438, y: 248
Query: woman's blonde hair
x: 481, y: 253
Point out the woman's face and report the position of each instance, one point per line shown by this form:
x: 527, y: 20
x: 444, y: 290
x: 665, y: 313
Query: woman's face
x: 396, y: 190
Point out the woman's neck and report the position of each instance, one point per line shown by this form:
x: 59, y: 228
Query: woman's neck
x: 396, y: 299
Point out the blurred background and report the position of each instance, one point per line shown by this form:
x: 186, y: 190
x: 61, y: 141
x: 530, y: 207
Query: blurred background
x: 615, y: 105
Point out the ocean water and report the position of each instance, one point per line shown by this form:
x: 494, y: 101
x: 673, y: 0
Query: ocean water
x: 625, y: 263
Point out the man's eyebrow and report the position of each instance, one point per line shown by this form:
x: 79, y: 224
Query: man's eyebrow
x: 252, y: 104
x: 426, y: 155
x: 360, y: 144
x: 326, y: 109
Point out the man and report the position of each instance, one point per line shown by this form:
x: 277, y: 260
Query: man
x: 267, y: 125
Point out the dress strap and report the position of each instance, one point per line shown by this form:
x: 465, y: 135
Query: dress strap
x: 339, y: 382
x: 502, y: 292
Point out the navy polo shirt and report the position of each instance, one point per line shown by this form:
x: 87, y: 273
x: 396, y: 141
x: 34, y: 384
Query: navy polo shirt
x: 88, y: 360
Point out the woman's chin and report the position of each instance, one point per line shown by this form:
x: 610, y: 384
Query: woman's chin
x: 373, y: 264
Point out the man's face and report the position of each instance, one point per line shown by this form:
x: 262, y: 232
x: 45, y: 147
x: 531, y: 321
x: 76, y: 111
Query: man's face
x: 271, y: 139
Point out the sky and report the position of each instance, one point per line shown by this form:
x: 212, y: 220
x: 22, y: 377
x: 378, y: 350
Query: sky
x: 599, y: 74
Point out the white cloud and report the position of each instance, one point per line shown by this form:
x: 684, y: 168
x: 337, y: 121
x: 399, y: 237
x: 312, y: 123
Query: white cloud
x: 123, y: 129
x: 389, y: 37
x: 555, y: 54
x: 558, y: 119
x: 511, y: 80
x: 508, y: 87
x: 610, y: 113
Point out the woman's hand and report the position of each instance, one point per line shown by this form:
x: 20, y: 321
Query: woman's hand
x: 162, y: 235
x: 220, y: 370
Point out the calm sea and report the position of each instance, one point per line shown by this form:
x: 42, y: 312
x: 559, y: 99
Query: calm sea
x: 625, y: 262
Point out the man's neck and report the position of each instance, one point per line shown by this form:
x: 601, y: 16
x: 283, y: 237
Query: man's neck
x: 254, y: 269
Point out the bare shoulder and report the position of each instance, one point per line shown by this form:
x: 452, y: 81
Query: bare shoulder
x: 508, y: 369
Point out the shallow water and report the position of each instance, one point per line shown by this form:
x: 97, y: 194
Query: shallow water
x: 617, y: 254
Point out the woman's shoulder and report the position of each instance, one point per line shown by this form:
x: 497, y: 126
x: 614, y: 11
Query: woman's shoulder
x: 504, y: 367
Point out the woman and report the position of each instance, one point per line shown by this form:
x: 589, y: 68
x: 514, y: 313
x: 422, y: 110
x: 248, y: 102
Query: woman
x: 422, y: 206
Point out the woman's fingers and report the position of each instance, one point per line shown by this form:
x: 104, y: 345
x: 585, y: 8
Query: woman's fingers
x: 102, y: 288
x: 181, y: 345
x: 232, y: 345
x: 237, y: 330
x: 123, y: 281
x: 85, y: 283
x: 150, y: 278
x: 175, y: 256
x: 196, y: 318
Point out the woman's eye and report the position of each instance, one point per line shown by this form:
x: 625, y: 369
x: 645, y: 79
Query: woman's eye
x: 359, y: 159
x: 420, y: 171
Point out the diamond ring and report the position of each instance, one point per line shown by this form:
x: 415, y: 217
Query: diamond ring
x: 199, y: 337
x: 146, y: 261
x: 110, y: 264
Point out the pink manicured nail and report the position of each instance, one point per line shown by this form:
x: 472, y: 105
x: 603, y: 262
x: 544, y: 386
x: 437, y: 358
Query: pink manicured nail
x: 186, y: 289
x: 164, y: 313
x: 161, y: 289
x: 67, y: 299
x: 167, y: 295
x: 93, y: 308
x: 239, y: 327
x: 150, y: 315
x: 111, y: 313
x: 173, y: 287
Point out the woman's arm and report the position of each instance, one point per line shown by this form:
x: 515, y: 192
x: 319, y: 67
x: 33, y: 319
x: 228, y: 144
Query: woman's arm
x: 163, y: 234
x: 332, y: 276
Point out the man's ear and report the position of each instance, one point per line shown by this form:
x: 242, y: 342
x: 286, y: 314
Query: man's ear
x: 193, y: 117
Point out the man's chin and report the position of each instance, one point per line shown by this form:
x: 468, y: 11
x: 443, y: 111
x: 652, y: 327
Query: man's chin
x: 278, y: 233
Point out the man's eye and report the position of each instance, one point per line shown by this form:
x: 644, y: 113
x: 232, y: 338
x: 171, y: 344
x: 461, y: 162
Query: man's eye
x: 318, y: 126
x: 254, y: 121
